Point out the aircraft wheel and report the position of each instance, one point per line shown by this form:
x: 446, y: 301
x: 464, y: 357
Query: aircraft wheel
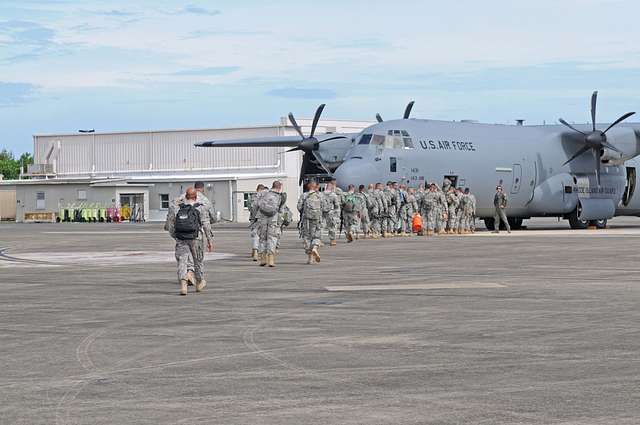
x: 600, y: 224
x: 489, y: 223
x: 515, y: 223
x: 575, y: 222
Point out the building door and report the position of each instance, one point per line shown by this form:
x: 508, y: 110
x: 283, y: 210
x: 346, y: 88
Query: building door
x: 132, y: 206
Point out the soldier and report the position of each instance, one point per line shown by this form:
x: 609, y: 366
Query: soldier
x: 284, y: 218
x: 383, y: 208
x: 461, y: 225
x: 472, y: 222
x: 253, y: 222
x: 409, y: 208
x: 452, y: 206
x: 374, y: 210
x: 188, y: 223
x: 442, y: 211
x: 310, y: 207
x: 430, y: 209
x: 351, y: 209
x: 209, y: 205
x: 365, y: 204
x: 269, y: 204
x: 500, y: 203
x: 400, y: 196
x: 331, y: 208
x: 389, y: 223
x: 466, y: 216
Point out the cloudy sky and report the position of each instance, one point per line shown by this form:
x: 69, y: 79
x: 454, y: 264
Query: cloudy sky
x: 157, y: 64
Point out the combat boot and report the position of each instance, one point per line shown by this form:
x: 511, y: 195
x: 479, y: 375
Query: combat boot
x: 309, y: 258
x: 191, y: 279
x: 254, y: 254
x: 201, y: 285
x: 271, y: 260
x: 315, y: 254
x: 429, y: 233
x: 333, y: 242
x: 263, y: 260
x: 183, y: 287
x: 349, y: 237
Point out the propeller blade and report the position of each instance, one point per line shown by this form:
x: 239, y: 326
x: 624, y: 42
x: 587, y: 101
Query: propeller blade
x: 594, y: 101
x: 303, y: 167
x: 577, y: 154
x: 407, y: 111
x: 332, y: 138
x: 610, y: 146
x: 316, y: 118
x: 297, y: 148
x: 295, y: 125
x: 570, y: 126
x: 379, y: 118
x: 619, y: 120
x: 596, y: 153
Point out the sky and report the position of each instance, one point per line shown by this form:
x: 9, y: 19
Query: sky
x: 116, y: 65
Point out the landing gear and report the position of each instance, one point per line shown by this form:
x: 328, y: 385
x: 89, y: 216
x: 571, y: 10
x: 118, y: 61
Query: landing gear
x: 515, y: 223
x: 578, y: 224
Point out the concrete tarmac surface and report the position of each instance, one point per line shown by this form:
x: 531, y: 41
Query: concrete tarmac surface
x: 537, y: 327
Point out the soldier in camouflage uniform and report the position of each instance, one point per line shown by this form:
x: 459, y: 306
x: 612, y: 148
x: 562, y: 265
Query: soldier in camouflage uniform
x: 269, y: 204
x: 253, y: 222
x: 310, y: 208
x: 365, y: 203
x: 374, y: 206
x: 383, y: 208
x: 407, y: 212
x: 389, y: 225
x: 452, y: 206
x: 442, y: 212
x: 465, y: 212
x: 351, y: 209
x: 429, y: 209
x: 331, y: 206
x: 190, y: 253
x: 472, y: 220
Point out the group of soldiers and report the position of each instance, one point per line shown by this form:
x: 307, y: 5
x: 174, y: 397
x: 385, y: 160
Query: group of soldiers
x: 371, y: 211
x: 389, y: 210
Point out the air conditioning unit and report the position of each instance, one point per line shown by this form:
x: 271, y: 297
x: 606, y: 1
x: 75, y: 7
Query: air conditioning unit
x: 40, y: 169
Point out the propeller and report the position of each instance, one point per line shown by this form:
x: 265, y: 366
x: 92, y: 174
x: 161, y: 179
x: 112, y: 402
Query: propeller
x: 407, y: 112
x: 309, y: 143
x: 595, y: 140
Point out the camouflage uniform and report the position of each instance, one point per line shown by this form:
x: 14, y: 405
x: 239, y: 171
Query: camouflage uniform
x: 311, y: 229
x: 267, y: 226
x: 390, y: 222
x: 452, y: 206
x: 407, y: 211
x: 429, y: 210
x: 465, y: 214
x: 253, y: 222
x: 442, y: 210
x: 331, y: 213
x: 190, y: 253
x: 472, y: 219
x: 351, y: 219
x: 378, y: 211
x: 365, y: 221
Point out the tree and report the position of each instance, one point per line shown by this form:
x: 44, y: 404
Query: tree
x: 10, y: 166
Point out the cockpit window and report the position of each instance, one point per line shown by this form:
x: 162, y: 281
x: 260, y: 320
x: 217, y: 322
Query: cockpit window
x: 395, y: 139
x: 365, y: 139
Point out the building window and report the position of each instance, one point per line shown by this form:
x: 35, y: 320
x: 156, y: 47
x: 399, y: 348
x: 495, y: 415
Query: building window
x: 40, y: 202
x: 393, y: 164
x: 82, y: 195
x: 164, y: 201
x: 246, y: 199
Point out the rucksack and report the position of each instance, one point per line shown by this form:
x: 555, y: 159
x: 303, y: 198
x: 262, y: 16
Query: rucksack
x: 350, y: 203
x: 313, y: 206
x: 269, y: 203
x: 187, y: 222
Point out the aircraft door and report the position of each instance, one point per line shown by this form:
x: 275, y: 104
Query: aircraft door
x: 517, y: 178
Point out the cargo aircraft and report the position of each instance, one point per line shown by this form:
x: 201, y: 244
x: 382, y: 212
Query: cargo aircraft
x: 583, y: 173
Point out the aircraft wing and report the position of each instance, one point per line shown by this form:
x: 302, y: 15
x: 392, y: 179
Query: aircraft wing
x: 256, y: 142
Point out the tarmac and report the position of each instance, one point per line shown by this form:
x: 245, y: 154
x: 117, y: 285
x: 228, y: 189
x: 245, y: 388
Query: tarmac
x: 536, y: 327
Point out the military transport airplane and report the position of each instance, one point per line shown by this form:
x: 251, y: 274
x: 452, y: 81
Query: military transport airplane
x: 582, y: 173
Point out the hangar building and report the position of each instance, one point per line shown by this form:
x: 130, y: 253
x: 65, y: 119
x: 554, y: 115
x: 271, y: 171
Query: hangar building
x: 150, y: 168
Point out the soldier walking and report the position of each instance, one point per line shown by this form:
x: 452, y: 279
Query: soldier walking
x: 429, y: 210
x: 188, y: 223
x: 442, y: 210
x: 310, y: 208
x: 253, y: 222
x: 365, y: 202
x: 331, y: 205
x: 351, y: 209
x: 269, y: 204
x: 500, y: 203
x: 408, y: 210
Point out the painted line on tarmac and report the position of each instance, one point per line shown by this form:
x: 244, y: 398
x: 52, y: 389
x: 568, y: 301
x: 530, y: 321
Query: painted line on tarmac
x: 127, y: 232
x: 411, y: 286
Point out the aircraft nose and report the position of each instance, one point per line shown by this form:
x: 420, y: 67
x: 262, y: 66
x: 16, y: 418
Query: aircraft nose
x: 356, y: 172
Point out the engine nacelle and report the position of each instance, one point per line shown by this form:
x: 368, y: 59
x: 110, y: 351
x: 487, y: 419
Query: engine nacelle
x: 626, y: 140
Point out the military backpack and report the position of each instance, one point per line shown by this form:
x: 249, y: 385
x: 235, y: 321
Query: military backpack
x: 187, y: 222
x: 313, y: 206
x: 268, y: 203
